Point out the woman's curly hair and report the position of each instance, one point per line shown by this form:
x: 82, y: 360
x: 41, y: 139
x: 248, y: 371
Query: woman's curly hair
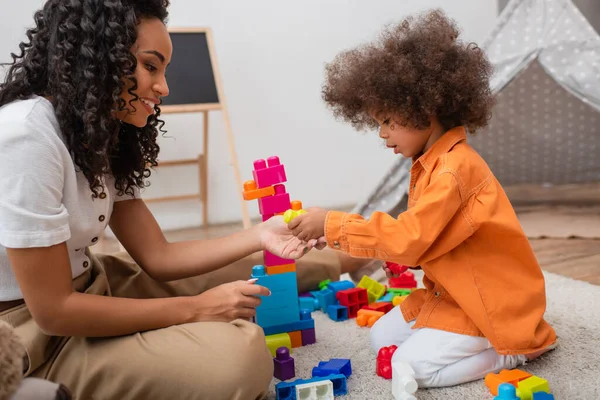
x: 416, y: 70
x: 78, y: 55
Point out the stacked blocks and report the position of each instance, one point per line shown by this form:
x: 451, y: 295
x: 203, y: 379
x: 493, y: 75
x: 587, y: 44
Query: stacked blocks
x: 286, y: 322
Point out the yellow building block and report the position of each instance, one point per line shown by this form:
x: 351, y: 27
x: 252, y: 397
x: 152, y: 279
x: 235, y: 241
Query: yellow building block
x: 512, y: 376
x: 397, y: 300
x: 527, y: 387
x: 280, y: 340
x: 374, y: 289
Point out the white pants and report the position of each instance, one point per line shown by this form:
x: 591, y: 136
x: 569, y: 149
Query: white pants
x: 439, y: 358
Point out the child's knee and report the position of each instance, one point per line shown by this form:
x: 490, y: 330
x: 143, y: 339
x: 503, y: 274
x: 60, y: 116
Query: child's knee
x: 425, y: 369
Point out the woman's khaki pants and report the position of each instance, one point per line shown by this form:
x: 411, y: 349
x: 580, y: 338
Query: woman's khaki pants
x: 203, y: 360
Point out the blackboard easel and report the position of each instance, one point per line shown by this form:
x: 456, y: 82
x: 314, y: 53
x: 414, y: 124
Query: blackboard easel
x: 195, y: 86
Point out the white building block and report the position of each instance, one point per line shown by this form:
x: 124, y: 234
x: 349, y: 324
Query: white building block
x: 321, y: 390
x: 403, y: 381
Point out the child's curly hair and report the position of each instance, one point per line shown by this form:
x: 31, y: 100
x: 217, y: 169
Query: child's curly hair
x: 417, y: 69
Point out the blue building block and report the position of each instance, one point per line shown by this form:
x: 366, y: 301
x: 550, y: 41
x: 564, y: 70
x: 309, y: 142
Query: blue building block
x: 340, y: 285
x: 337, y: 312
x: 333, y: 366
x: 305, y: 321
x: 388, y: 297
x: 287, y: 390
x: 309, y: 303
x: 543, y: 396
x: 281, y: 307
x: 506, y: 391
x: 326, y: 298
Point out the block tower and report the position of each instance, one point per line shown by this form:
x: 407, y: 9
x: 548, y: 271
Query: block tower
x: 280, y: 316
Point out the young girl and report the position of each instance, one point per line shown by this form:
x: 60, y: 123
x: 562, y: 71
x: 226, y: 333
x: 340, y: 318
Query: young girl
x: 79, y: 118
x: 484, y: 299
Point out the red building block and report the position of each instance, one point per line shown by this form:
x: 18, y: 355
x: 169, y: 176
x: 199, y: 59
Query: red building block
x: 354, y: 299
x: 268, y: 173
x: 383, y: 306
x: 384, y: 361
x: 271, y: 259
x: 278, y: 203
x: 396, y: 269
x: 405, y: 280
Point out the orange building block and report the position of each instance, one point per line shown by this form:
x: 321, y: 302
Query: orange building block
x: 280, y: 269
x: 296, y: 338
x: 252, y: 193
x: 512, y: 376
x: 367, y: 317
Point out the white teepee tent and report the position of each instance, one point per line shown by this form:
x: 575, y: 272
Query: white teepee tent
x: 545, y: 126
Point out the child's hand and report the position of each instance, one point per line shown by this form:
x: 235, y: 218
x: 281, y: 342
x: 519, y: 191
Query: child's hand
x: 310, y: 225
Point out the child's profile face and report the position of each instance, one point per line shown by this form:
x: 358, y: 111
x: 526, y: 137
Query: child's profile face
x: 406, y: 140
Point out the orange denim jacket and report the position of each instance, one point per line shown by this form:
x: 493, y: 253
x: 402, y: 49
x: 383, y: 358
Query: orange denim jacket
x: 481, y: 275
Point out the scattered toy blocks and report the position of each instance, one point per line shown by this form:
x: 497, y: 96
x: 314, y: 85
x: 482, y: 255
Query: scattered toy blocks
x: 527, y: 387
x: 404, y: 384
x: 278, y: 203
x: 404, y: 280
x: 368, y: 317
x: 287, y: 390
x: 354, y: 299
x: 283, y: 364
x: 279, y: 340
x: 374, y: 289
x: 268, y: 173
x: 512, y: 376
x: 326, y: 298
x: 337, y: 312
x: 397, y: 300
x: 383, y: 306
x: 333, y: 366
x: 321, y: 390
x: 396, y: 269
x: 340, y: 285
x: 324, y: 284
x: 506, y: 391
x: 252, y: 193
x: 543, y: 396
x: 384, y: 361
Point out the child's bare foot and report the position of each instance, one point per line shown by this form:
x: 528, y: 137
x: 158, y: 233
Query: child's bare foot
x: 536, y: 354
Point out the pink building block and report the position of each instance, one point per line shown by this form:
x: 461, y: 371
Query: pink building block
x: 272, y: 260
x: 266, y: 217
x: 278, y: 203
x: 268, y: 173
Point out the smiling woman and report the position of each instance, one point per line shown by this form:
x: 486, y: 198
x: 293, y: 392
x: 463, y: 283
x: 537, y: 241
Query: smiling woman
x: 79, y: 119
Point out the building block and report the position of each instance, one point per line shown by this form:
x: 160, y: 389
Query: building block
x: 308, y: 336
x: 543, y: 396
x: 527, y: 387
x: 354, y: 299
x: 293, y: 212
x: 383, y: 306
x: 266, y: 217
x: 340, y: 285
x: 308, y: 303
x: 506, y: 391
x: 404, y: 280
x: 333, y: 366
x: 374, y: 289
x: 251, y: 192
x: 326, y: 298
x: 404, y: 384
x: 384, y: 361
x: 268, y: 173
x: 305, y: 322
x: 287, y: 390
x: 368, y: 317
x: 400, y: 291
x: 396, y: 269
x: 388, y: 297
x: 337, y: 312
x: 276, y: 341
x: 295, y: 338
x: 322, y: 390
x: 281, y: 307
x: 272, y: 260
x: 512, y: 376
x: 397, y: 300
x: 278, y: 203
x: 281, y: 269
x: 323, y: 284
x: 283, y: 364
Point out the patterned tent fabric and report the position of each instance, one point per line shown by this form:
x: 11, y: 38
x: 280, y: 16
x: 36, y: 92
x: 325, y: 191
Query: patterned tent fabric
x: 544, y: 128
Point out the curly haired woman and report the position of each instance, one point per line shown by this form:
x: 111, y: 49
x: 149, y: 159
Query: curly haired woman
x: 484, y: 298
x: 79, y: 119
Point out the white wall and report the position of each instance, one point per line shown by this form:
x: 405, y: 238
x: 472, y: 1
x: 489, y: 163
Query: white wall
x: 271, y: 55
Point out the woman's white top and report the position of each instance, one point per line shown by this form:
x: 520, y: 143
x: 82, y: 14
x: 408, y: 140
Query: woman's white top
x: 44, y: 200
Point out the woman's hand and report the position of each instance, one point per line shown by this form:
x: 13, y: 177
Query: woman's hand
x: 279, y: 240
x: 310, y: 225
x: 228, y: 301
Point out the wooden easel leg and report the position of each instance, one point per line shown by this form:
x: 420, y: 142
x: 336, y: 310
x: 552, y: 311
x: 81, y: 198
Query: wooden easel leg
x: 203, y: 173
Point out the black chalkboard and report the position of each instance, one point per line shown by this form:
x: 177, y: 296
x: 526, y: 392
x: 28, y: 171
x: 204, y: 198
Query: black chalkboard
x: 190, y: 75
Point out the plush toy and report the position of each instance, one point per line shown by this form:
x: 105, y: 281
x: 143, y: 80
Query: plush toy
x: 12, y: 384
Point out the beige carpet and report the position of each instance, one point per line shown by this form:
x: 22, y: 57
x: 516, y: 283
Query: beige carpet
x: 573, y: 370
